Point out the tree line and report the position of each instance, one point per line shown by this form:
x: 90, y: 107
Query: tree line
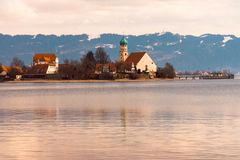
x: 17, y: 67
x: 84, y: 68
x: 167, y: 71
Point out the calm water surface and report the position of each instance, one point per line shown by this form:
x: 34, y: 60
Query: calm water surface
x: 143, y: 121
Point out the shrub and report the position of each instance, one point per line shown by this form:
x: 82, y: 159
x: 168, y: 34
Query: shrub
x: 167, y: 72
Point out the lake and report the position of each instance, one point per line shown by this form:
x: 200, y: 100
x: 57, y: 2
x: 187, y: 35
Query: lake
x: 105, y: 121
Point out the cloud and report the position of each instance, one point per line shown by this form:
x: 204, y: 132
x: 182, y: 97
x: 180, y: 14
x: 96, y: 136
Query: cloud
x: 131, y: 17
x: 14, y: 11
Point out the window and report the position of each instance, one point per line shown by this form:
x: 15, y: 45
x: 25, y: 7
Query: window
x: 146, y: 67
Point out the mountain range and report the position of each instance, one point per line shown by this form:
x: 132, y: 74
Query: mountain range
x: 185, y: 52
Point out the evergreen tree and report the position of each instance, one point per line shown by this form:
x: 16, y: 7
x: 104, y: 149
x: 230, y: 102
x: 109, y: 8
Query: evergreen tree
x: 167, y: 72
x: 88, y: 64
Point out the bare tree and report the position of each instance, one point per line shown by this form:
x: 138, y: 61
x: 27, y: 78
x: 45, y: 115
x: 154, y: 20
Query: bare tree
x: 13, y: 72
x: 101, y: 56
x: 71, y: 69
x: 17, y: 62
x: 120, y: 66
x: 1, y: 69
x: 66, y: 61
x: 83, y: 69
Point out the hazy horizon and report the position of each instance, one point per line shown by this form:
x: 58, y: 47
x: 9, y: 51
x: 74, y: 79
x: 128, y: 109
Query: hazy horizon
x: 136, y: 17
x: 92, y: 36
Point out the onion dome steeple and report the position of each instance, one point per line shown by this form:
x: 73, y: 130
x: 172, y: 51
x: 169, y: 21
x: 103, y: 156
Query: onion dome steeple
x: 123, y: 49
x: 123, y: 41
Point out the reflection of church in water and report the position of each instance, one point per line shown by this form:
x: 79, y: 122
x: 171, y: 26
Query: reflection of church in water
x: 136, y: 61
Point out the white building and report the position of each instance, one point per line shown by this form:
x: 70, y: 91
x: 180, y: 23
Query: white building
x: 136, y: 61
x: 48, y: 61
x: 141, y: 62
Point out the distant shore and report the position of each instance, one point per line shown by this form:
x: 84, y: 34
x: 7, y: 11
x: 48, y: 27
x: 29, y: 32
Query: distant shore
x: 83, y: 81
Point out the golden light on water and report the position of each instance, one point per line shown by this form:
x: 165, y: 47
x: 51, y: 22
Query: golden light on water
x: 157, y: 121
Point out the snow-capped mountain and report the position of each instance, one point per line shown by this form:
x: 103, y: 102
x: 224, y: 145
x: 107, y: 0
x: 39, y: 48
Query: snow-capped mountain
x: 185, y: 52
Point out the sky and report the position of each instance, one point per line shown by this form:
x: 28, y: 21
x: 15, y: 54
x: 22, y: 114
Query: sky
x: 94, y: 17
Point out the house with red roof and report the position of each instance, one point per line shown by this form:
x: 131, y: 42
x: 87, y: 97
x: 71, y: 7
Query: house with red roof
x: 8, y: 72
x: 105, y: 68
x: 45, y: 63
x: 136, y: 61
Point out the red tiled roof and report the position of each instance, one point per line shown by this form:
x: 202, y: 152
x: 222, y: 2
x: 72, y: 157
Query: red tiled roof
x: 135, y: 57
x: 44, y: 57
x: 110, y: 66
x: 8, y: 69
x: 38, y: 69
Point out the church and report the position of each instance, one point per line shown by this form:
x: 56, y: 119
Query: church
x: 136, y: 61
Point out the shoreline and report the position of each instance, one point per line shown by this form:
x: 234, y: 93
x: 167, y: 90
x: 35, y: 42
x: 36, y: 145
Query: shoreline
x: 98, y: 81
x: 85, y: 81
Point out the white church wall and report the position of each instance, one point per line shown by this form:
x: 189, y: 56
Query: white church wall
x: 147, y: 61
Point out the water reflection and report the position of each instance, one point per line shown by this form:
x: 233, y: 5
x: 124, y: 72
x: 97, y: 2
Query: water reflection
x: 180, y: 120
x: 46, y: 113
x: 124, y: 116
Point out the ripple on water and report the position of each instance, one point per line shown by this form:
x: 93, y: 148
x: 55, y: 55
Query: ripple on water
x: 153, y: 120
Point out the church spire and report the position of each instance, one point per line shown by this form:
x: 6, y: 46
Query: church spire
x: 123, y: 49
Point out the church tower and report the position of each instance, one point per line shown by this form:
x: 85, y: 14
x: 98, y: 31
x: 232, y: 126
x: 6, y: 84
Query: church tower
x: 123, y: 49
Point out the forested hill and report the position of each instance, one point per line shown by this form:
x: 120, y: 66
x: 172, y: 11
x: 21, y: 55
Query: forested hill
x: 185, y: 52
